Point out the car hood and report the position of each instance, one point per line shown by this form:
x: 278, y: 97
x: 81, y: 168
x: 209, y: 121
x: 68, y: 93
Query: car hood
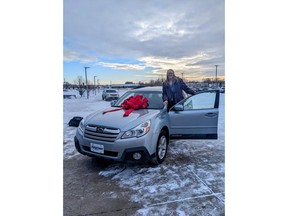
x: 115, y: 119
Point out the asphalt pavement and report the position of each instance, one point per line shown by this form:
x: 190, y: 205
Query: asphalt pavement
x: 189, y: 182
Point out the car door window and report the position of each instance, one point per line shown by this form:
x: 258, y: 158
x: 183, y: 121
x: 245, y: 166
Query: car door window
x: 196, y: 117
x: 205, y: 100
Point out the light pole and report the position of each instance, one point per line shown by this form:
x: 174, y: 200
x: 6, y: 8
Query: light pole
x: 216, y: 75
x: 98, y: 83
x: 94, y: 85
x: 86, y: 81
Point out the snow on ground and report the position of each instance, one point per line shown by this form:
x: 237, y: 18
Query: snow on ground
x: 156, y: 186
x: 81, y: 106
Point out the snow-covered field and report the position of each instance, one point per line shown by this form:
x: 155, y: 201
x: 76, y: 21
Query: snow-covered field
x: 174, y: 185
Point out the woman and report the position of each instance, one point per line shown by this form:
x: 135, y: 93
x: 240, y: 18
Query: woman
x: 172, y: 89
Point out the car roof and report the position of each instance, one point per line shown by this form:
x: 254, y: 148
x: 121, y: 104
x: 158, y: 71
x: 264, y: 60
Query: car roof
x: 110, y: 89
x: 148, y: 89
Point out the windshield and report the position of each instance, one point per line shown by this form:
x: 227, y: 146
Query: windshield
x: 154, y: 99
x: 111, y: 91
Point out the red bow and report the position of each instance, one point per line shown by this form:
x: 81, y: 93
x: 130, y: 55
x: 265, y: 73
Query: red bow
x: 132, y: 103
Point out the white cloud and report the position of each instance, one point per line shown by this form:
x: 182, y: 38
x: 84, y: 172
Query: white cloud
x: 122, y: 66
x: 179, y: 65
x: 158, y: 27
x: 70, y: 55
x: 164, y: 34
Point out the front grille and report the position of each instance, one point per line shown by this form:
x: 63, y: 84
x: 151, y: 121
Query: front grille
x: 96, y: 132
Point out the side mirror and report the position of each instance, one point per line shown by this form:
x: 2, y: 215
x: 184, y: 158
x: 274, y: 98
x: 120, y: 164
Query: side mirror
x: 178, y: 107
x: 112, y: 102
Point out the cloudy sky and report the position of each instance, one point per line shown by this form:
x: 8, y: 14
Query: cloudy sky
x: 137, y: 40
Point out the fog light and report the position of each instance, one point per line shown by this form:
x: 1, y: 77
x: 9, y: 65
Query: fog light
x: 137, y: 156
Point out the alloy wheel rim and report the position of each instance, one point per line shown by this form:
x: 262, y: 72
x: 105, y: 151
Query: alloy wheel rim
x: 162, y: 147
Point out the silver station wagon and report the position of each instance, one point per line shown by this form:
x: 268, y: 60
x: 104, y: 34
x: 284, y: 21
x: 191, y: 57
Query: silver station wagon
x: 143, y: 136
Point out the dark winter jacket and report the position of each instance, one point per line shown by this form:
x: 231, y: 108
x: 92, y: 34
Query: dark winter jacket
x: 173, y: 94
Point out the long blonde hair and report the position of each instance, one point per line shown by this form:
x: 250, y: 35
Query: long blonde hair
x: 174, y: 78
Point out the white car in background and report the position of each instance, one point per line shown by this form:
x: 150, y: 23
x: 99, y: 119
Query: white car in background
x: 110, y: 94
x: 222, y: 89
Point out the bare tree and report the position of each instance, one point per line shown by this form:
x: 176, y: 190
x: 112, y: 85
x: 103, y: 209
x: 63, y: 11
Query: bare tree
x: 80, y: 83
x: 207, y: 80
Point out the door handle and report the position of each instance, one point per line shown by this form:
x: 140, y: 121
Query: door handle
x: 211, y: 114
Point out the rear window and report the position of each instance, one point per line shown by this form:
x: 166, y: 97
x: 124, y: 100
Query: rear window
x: 111, y: 91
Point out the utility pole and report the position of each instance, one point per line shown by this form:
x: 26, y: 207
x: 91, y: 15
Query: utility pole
x: 94, y: 85
x: 98, y: 85
x: 86, y: 82
x: 216, y: 74
x: 182, y: 75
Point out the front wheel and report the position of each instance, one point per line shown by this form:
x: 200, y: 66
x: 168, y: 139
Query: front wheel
x: 161, y: 148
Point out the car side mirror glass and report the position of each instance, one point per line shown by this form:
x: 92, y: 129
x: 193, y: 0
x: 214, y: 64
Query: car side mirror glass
x: 112, y: 102
x: 178, y: 107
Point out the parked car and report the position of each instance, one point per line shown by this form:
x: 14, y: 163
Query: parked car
x: 68, y: 94
x: 222, y: 89
x: 110, y: 94
x: 144, y: 135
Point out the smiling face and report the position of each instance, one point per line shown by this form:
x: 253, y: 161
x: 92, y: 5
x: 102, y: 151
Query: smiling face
x: 170, y: 74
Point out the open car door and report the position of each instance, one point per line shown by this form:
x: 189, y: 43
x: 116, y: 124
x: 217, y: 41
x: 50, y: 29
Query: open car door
x: 196, y: 117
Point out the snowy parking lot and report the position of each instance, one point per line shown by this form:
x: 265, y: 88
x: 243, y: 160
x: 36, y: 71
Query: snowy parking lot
x: 189, y: 182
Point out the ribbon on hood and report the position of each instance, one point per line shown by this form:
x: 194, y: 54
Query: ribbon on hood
x: 130, y: 104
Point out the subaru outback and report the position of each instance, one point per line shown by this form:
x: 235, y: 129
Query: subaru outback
x: 143, y: 136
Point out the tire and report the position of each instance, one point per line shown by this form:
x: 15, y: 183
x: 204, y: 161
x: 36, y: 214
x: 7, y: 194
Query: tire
x: 161, y: 148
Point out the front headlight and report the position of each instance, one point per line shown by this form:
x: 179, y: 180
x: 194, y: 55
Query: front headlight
x: 138, y: 131
x: 81, y: 125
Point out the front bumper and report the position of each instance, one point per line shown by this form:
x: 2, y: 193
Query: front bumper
x: 119, y: 150
x: 111, y: 97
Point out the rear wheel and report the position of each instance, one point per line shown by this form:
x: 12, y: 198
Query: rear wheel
x: 161, y: 148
